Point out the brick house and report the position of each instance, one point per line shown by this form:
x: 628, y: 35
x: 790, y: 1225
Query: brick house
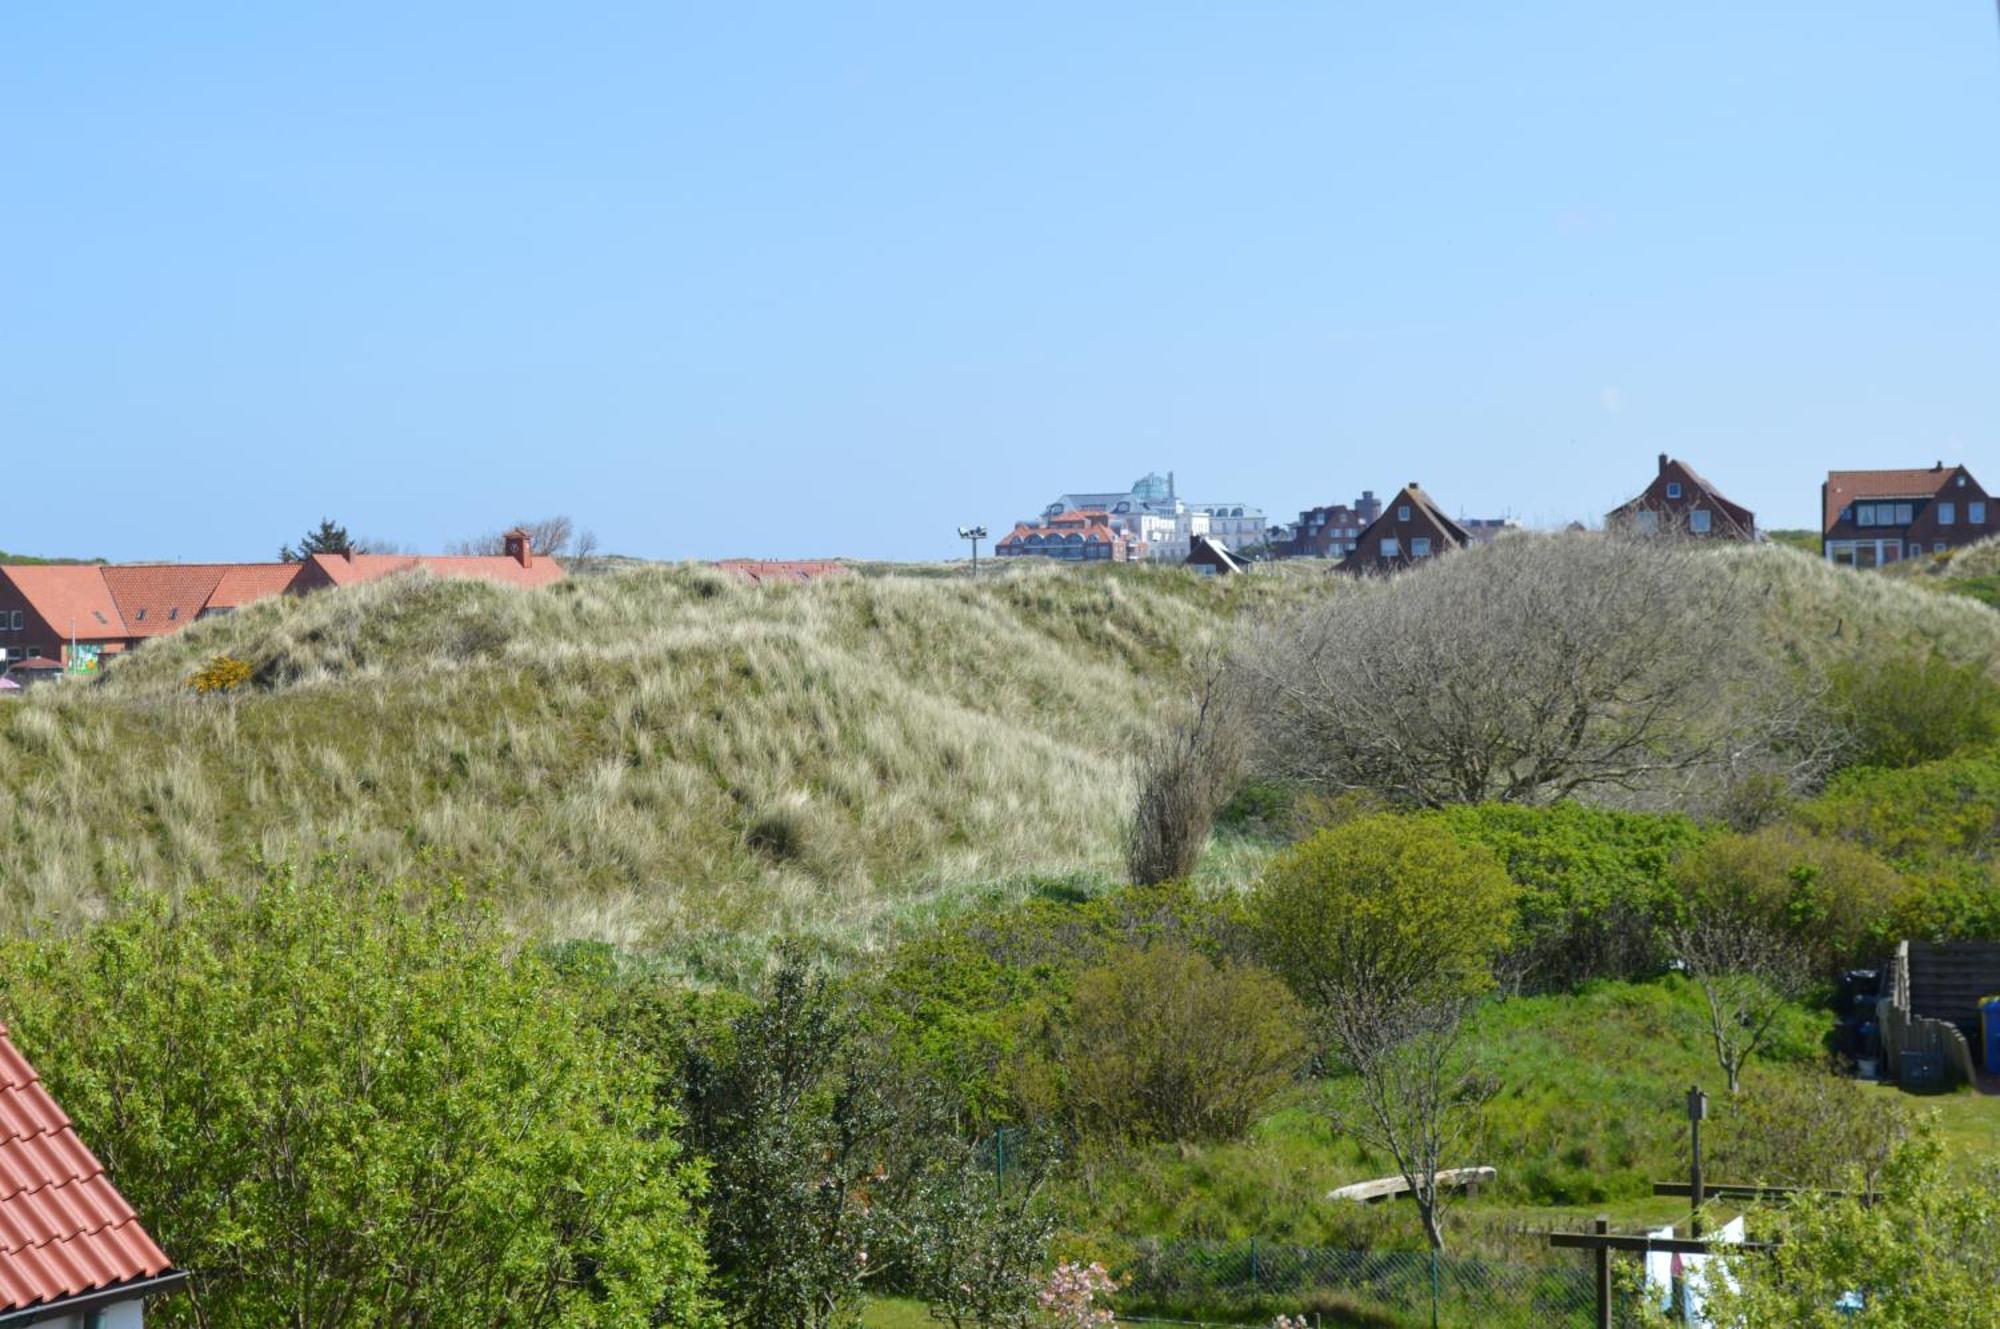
x: 1330, y: 532
x: 79, y: 615
x: 72, y: 1251
x: 1084, y: 535
x: 1412, y: 528
x: 1680, y: 500
x: 1868, y: 518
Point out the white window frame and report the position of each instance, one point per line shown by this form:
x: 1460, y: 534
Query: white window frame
x: 1947, y: 514
x: 1975, y: 512
x: 1699, y: 521
x: 1673, y: 489
x: 1420, y: 546
x: 1402, y: 512
x: 1392, y: 547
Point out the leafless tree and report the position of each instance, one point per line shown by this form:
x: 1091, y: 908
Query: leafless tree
x: 555, y: 536
x: 1419, y: 1092
x: 1187, y: 770
x: 1534, y: 669
x: 1748, y: 968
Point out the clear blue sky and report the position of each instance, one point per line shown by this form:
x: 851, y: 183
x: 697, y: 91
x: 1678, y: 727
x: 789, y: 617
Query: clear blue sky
x: 831, y: 279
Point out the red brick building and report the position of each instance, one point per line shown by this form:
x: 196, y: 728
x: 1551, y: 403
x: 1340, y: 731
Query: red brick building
x: 1331, y: 531
x: 1412, y: 528
x: 78, y: 615
x: 1679, y: 500
x: 1868, y: 518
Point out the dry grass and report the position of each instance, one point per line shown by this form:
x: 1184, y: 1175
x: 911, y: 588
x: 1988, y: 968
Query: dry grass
x: 647, y: 756
x: 664, y: 757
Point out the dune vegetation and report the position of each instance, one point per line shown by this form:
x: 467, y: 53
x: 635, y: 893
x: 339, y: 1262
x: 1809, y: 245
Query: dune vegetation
x: 666, y: 758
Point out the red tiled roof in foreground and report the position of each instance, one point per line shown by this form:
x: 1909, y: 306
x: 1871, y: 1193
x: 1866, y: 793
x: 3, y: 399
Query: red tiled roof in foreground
x: 65, y: 1231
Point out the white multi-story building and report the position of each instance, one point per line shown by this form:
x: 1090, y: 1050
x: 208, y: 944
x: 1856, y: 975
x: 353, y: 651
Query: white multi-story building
x: 1153, y: 514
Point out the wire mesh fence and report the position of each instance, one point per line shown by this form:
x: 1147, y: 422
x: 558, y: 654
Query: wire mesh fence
x: 1264, y: 1278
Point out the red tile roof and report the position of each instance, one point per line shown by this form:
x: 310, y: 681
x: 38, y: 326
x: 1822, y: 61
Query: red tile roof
x: 71, y: 597
x: 155, y: 599
x: 503, y: 568
x: 1844, y: 487
x: 64, y: 1228
x: 246, y: 583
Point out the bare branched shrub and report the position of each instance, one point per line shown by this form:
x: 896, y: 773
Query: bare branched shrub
x: 555, y: 536
x: 1538, y: 668
x: 1186, y: 771
x: 1748, y: 968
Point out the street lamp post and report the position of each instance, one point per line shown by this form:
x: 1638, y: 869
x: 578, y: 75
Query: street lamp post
x: 974, y: 534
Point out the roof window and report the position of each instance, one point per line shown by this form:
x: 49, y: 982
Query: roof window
x: 140, y: 616
x: 98, y: 614
x: 173, y: 613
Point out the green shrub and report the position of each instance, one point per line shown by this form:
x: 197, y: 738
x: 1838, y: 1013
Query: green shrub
x: 1810, y: 1127
x: 342, y: 1104
x: 1395, y: 904
x: 1161, y: 1043
x: 1594, y: 884
x: 1900, y: 711
x: 1942, y: 815
x: 1836, y: 902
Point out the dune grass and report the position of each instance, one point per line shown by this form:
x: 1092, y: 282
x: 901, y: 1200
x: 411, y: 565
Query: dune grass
x: 663, y: 757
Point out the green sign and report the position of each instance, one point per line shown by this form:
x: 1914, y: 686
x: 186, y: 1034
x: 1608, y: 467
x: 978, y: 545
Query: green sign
x: 83, y: 659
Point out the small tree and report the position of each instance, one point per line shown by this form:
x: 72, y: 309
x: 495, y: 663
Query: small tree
x: 1186, y: 772
x: 1388, y: 927
x: 329, y: 538
x: 1900, y: 711
x: 1922, y: 1256
x: 971, y: 1246
x: 555, y: 536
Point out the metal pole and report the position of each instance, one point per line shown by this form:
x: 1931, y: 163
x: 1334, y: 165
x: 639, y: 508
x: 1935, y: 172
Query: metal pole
x: 1603, y: 1257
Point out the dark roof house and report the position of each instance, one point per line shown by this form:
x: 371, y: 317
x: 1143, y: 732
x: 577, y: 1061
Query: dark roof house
x: 70, y: 1246
x: 1412, y: 528
x: 1868, y: 518
x: 1211, y: 557
x: 1680, y: 501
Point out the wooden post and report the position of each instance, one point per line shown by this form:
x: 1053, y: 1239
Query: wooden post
x: 1697, y: 1110
x: 1603, y: 1257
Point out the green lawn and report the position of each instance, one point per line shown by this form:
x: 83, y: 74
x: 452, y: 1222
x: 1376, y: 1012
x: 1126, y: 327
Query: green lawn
x: 895, y: 1313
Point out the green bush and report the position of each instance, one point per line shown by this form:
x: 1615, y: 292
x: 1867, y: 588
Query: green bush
x: 1835, y: 901
x: 1901, y: 711
x: 1941, y: 816
x: 1594, y: 884
x: 1161, y: 1043
x: 1398, y: 905
x: 339, y: 1103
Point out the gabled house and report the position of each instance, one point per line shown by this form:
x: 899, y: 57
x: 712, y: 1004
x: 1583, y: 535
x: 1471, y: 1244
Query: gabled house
x: 72, y: 1251
x: 1412, y: 528
x: 78, y: 615
x: 1211, y: 558
x: 1869, y: 518
x: 1681, y: 502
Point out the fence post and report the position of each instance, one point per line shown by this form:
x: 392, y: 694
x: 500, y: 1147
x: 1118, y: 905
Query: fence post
x: 1254, y: 1280
x: 1603, y: 1257
x: 1434, y: 1286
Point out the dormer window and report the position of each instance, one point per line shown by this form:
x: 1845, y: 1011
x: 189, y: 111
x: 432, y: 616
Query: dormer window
x: 1673, y: 489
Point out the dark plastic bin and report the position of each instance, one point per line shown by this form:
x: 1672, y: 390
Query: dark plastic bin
x: 1921, y: 1072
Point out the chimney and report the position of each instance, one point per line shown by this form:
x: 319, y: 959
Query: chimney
x: 348, y: 553
x: 520, y: 547
x: 1170, y: 486
x: 1663, y: 463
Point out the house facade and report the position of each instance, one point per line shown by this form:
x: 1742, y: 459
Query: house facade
x: 1212, y: 558
x: 1680, y: 501
x: 1870, y: 518
x: 1410, y: 529
x: 1082, y: 536
x: 1331, y: 531
x: 73, y: 1254
x: 1157, y: 521
x: 82, y: 615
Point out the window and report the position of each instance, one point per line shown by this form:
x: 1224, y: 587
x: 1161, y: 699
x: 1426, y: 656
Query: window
x: 1403, y: 512
x: 1947, y: 514
x: 1420, y: 547
x: 1647, y: 521
x: 1673, y: 489
x: 1392, y: 549
x: 15, y: 620
x: 140, y: 616
x: 34, y: 652
x: 98, y: 614
x: 1903, y: 514
x: 1864, y: 514
x: 1975, y: 512
x: 1938, y: 548
x: 1698, y: 521
x: 175, y: 612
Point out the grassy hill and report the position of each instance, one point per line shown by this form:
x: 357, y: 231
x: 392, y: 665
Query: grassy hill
x: 665, y: 754
x: 1973, y: 572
